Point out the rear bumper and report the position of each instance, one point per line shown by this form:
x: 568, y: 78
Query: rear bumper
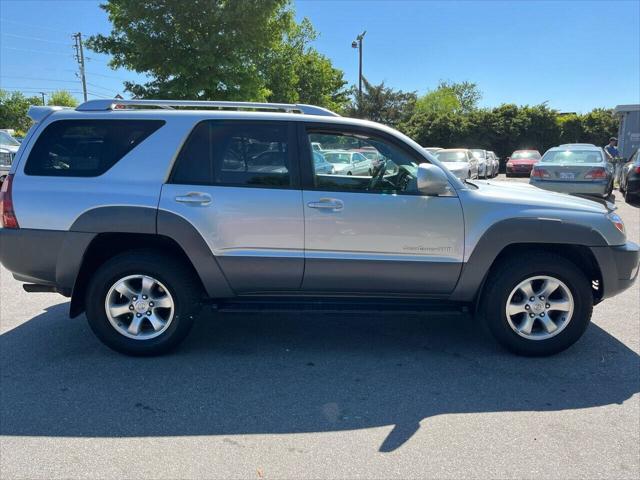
x: 599, y: 188
x: 619, y: 267
x: 44, y: 257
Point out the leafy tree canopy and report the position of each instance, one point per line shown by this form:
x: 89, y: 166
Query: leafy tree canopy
x: 450, y: 97
x: 382, y: 104
x: 219, y: 50
x: 13, y: 110
x: 62, y: 98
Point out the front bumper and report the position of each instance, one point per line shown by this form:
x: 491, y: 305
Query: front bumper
x: 599, y: 188
x: 619, y: 267
x: 519, y: 169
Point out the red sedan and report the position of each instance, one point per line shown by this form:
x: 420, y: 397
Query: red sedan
x: 521, y: 162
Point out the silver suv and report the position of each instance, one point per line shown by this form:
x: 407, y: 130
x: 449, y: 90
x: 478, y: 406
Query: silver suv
x: 144, y: 211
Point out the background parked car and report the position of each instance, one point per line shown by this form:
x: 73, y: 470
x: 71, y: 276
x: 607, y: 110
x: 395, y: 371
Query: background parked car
x: 630, y: 180
x: 521, y: 162
x: 459, y: 161
x: 481, y: 156
x: 321, y: 165
x: 432, y: 150
x: 494, y: 163
x: 577, y: 168
x: 348, y: 163
x: 8, y: 148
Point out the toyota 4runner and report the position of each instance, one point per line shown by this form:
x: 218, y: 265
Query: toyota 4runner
x: 144, y: 211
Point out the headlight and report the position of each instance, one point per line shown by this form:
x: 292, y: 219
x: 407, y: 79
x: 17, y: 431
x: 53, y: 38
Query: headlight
x: 617, y: 221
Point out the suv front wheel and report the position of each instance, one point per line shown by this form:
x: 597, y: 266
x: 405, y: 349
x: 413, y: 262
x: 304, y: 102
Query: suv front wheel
x: 538, y: 305
x: 142, y: 302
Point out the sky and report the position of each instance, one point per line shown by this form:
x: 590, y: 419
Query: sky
x: 576, y: 55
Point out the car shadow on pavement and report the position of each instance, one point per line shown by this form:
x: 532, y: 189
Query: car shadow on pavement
x: 292, y: 373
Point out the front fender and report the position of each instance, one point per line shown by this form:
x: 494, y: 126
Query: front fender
x: 534, y: 231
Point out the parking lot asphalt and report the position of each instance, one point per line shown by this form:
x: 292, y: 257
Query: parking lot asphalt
x: 317, y: 396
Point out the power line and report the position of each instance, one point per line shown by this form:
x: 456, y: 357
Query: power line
x: 38, y: 78
x: 39, y: 27
x: 35, y: 51
x: 34, y: 38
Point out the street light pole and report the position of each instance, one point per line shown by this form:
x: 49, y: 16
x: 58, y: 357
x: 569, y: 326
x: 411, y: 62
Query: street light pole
x: 357, y: 43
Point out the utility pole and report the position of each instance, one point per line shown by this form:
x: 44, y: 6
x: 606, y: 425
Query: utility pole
x: 357, y: 43
x: 43, y: 94
x: 80, y: 59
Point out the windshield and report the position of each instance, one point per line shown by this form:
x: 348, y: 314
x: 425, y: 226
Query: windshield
x: 478, y: 153
x: 6, y: 139
x: 572, y: 156
x: 451, y: 156
x: 335, y: 157
x: 517, y: 155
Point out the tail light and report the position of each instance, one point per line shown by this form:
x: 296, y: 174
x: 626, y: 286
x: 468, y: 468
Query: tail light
x: 539, y: 173
x: 7, y: 214
x: 596, y: 174
x: 638, y: 169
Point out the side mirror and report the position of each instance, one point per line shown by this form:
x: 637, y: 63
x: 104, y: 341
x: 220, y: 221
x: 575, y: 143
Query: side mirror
x: 508, y: 158
x: 432, y: 180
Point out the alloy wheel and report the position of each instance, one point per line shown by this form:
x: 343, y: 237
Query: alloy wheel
x: 139, y: 307
x: 539, y: 307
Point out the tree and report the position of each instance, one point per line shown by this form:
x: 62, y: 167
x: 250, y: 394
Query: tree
x: 218, y: 50
x: 467, y: 93
x: 13, y: 110
x: 598, y: 126
x: 382, y: 104
x: 62, y: 98
x: 450, y: 97
x: 297, y: 73
x: 441, y: 101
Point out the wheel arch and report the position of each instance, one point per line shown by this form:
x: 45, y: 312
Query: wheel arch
x: 105, y: 246
x: 114, y: 230
x: 524, y: 236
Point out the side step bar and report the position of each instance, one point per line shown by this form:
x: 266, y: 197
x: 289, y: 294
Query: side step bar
x: 256, y: 305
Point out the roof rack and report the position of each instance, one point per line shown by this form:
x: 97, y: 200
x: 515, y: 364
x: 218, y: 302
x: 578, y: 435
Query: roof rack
x: 99, y: 105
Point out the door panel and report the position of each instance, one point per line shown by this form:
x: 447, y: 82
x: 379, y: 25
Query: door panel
x: 381, y: 242
x: 256, y: 234
x: 236, y: 183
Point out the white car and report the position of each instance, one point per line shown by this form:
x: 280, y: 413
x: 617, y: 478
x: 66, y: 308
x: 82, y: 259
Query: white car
x: 8, y: 148
x: 459, y: 161
x: 348, y: 163
x: 483, y: 162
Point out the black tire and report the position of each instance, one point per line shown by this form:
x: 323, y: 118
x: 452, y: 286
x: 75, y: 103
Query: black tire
x: 179, y: 280
x: 507, y: 175
x: 349, y: 173
x: 510, y: 273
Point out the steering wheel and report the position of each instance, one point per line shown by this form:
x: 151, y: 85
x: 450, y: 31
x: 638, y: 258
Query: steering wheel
x: 378, y: 176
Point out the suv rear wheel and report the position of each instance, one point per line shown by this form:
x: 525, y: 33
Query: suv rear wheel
x: 537, y: 308
x: 142, y: 303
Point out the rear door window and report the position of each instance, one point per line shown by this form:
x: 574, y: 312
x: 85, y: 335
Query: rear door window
x: 237, y: 153
x: 86, y: 148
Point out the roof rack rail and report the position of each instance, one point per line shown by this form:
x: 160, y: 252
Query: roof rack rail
x: 99, y: 105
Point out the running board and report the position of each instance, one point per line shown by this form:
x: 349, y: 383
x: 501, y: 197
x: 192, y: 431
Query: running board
x: 256, y: 305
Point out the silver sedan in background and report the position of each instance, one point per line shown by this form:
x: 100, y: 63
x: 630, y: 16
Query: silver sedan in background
x: 459, y: 161
x: 577, y: 168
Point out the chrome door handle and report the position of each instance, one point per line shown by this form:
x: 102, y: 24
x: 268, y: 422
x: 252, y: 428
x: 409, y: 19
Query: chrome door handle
x: 194, y: 198
x: 327, y: 204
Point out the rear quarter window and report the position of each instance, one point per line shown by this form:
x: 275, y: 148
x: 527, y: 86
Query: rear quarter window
x: 86, y: 148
